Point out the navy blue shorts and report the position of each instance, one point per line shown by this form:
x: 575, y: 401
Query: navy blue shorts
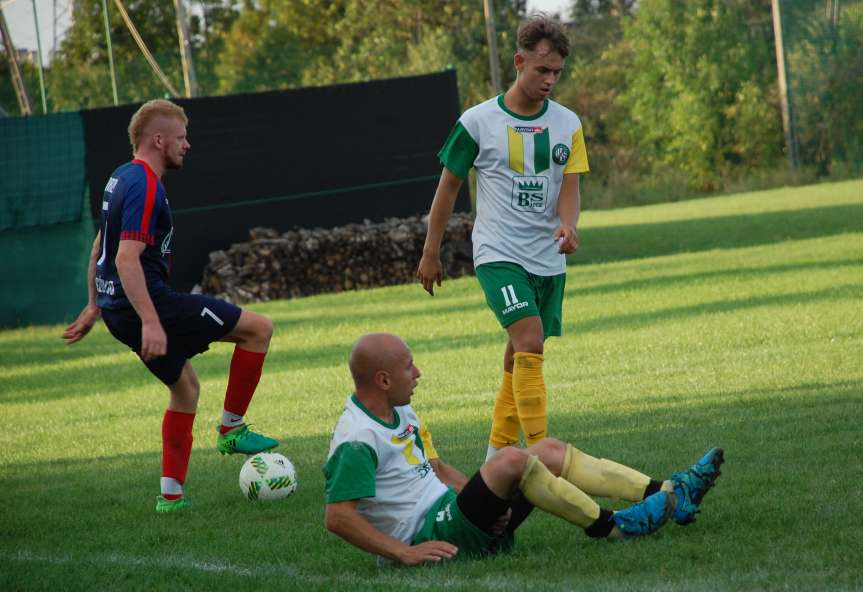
x: 191, y: 321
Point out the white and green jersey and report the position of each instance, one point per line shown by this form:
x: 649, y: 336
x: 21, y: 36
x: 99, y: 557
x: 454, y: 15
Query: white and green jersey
x: 385, y: 467
x: 520, y: 163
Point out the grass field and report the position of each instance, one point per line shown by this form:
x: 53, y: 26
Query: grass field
x: 733, y: 321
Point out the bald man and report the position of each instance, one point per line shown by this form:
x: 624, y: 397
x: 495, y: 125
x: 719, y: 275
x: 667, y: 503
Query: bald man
x: 389, y: 493
x: 127, y: 287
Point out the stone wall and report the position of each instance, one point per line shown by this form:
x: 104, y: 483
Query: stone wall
x: 302, y: 262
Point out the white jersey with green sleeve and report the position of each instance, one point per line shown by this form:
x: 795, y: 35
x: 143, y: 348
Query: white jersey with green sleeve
x: 385, y: 467
x: 520, y: 163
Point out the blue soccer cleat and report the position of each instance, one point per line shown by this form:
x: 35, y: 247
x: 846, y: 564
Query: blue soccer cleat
x: 692, y: 485
x: 646, y: 516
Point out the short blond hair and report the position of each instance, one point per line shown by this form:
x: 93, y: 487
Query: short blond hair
x: 147, y: 113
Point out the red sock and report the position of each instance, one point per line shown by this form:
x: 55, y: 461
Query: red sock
x: 176, y: 444
x: 243, y: 379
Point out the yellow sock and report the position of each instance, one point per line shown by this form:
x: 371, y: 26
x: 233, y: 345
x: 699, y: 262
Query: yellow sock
x: 602, y: 477
x: 556, y: 495
x: 504, y: 423
x: 528, y: 387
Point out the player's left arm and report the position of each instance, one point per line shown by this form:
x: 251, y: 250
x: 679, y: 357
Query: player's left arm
x: 569, y: 210
x: 447, y: 474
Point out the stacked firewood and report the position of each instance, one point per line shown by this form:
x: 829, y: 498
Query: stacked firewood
x: 302, y: 262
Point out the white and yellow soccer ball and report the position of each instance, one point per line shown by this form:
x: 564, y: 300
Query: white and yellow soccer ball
x: 268, y: 476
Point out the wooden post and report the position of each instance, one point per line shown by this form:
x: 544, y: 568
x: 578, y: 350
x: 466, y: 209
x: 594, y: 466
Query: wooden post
x: 17, y: 80
x: 782, y: 80
x: 491, y: 35
x: 110, y: 51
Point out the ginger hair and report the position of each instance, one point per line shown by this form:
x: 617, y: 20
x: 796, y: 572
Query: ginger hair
x: 147, y: 113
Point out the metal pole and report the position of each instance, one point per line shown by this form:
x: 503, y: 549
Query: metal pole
x: 39, y: 49
x: 491, y: 35
x: 17, y: 80
x: 189, y: 78
x: 110, y: 51
x: 782, y: 74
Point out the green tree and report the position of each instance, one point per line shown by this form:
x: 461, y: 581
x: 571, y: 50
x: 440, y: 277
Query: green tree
x: 289, y: 43
x: 259, y: 52
x: 8, y: 97
x: 702, y: 74
x: 825, y: 65
x: 80, y: 75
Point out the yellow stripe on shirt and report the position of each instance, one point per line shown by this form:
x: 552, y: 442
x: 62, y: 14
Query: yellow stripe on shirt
x: 577, y: 162
x: 516, y: 150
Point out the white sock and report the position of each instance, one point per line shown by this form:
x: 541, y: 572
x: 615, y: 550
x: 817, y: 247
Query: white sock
x: 171, y: 486
x: 490, y: 452
x: 231, y: 420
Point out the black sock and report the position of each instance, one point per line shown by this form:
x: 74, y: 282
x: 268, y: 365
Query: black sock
x: 602, y: 526
x: 652, y: 487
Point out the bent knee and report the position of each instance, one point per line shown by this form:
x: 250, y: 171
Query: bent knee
x: 254, y: 328
x: 512, y: 460
x: 265, y: 328
x: 551, y: 452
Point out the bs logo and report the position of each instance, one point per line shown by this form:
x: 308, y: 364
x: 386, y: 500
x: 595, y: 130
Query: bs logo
x: 529, y: 194
x: 560, y: 154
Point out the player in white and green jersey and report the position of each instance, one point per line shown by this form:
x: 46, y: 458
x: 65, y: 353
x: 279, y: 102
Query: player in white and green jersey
x: 389, y: 493
x: 528, y: 153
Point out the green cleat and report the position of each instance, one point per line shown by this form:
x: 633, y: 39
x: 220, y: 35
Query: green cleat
x: 163, y: 506
x: 242, y: 440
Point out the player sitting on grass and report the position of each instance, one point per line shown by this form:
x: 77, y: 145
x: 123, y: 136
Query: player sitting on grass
x: 127, y: 286
x: 389, y: 493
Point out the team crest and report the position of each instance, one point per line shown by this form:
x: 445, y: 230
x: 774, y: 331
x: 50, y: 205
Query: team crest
x: 560, y: 154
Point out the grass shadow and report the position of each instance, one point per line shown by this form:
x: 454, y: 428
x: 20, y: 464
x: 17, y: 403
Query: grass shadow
x: 636, y: 241
x: 334, y: 355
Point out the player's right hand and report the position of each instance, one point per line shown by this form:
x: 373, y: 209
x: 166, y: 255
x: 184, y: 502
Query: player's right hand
x: 429, y: 271
x: 154, y: 342
x: 82, y: 325
x: 428, y: 551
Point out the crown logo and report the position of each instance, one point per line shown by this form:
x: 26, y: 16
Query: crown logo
x: 530, y: 186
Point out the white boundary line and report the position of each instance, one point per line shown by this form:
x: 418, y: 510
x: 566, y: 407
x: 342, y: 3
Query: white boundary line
x: 385, y: 577
x: 163, y: 562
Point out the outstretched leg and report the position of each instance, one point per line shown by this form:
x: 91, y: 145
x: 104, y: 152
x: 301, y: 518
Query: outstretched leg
x: 605, y: 478
x: 536, y: 472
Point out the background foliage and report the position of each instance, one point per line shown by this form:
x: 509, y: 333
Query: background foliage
x: 676, y: 97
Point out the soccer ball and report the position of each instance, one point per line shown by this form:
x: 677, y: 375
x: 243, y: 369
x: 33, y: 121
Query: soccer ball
x: 268, y: 476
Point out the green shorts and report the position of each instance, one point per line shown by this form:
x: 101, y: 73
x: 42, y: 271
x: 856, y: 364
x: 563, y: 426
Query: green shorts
x: 445, y: 522
x: 514, y: 293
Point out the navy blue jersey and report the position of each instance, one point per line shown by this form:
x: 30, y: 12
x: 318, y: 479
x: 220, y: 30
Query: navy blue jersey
x: 134, y: 207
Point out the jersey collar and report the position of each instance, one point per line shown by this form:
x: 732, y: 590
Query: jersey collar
x: 362, y: 407
x: 536, y: 115
x: 146, y: 166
